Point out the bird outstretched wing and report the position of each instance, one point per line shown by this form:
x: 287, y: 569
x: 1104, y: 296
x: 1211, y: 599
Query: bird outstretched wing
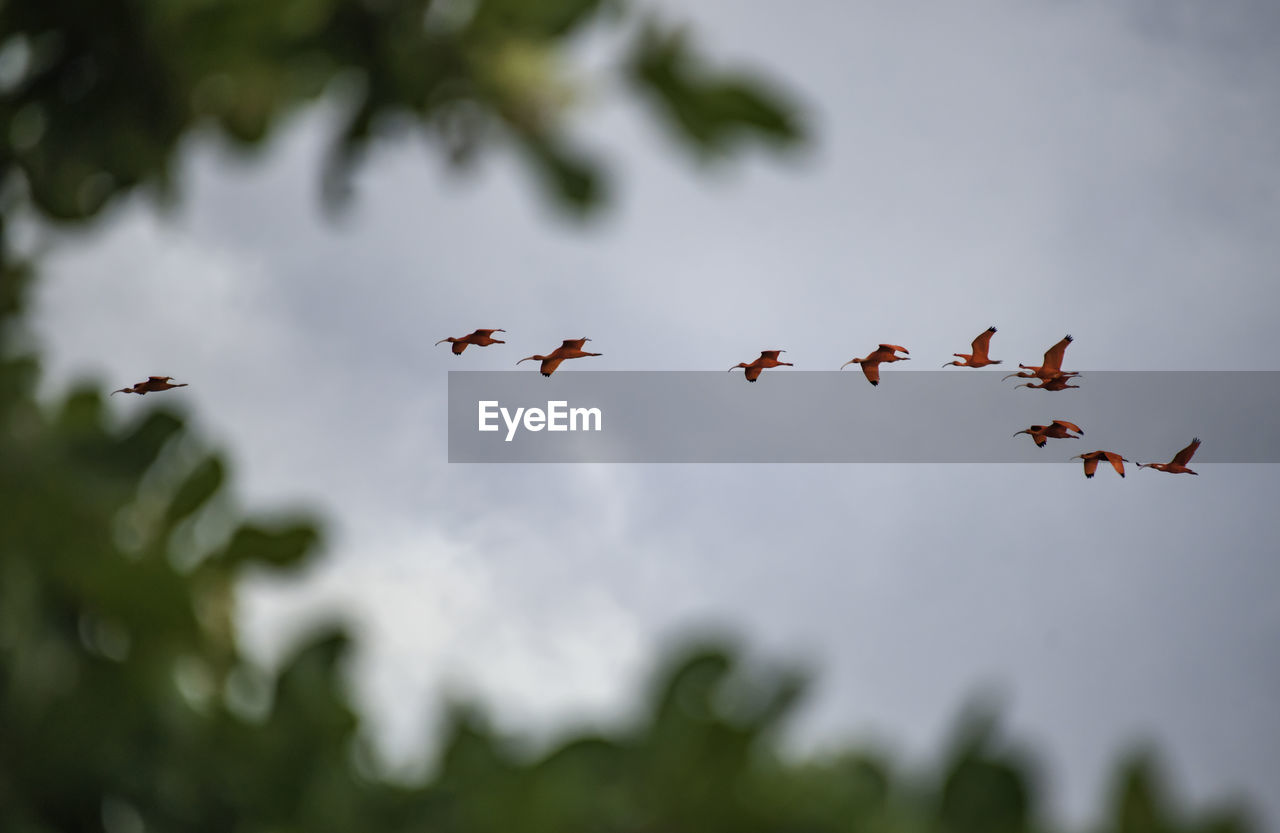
x: 1184, y: 456
x: 982, y: 344
x: 1054, y: 355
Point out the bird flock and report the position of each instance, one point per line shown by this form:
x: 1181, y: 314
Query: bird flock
x: 1049, y: 374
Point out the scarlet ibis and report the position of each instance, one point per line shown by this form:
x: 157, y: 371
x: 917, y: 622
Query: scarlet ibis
x: 1056, y: 383
x: 153, y: 384
x: 768, y: 358
x: 1178, y: 465
x: 570, y: 349
x: 871, y: 364
x: 979, y: 356
x: 1059, y: 429
x: 480, y: 338
x: 1052, y: 367
x: 1091, y: 461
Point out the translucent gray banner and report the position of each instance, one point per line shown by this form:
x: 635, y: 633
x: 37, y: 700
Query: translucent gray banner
x: 837, y: 417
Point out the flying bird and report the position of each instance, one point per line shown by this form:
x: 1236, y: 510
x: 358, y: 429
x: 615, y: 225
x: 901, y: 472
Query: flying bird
x: 871, y: 364
x: 768, y: 358
x: 1052, y: 367
x: 480, y: 338
x: 979, y: 356
x: 1091, y: 461
x: 1059, y: 429
x: 1178, y: 465
x: 570, y: 349
x: 153, y: 384
x: 1056, y: 383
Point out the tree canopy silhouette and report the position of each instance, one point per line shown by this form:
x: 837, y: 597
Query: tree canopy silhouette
x: 96, y: 98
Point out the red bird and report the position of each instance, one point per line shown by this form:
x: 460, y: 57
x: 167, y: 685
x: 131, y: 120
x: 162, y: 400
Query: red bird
x: 1052, y: 367
x: 570, y: 349
x: 768, y: 358
x: 1091, y: 461
x: 1060, y: 429
x: 1056, y: 383
x: 153, y: 384
x: 871, y: 364
x: 1178, y: 465
x: 480, y: 338
x: 978, y: 358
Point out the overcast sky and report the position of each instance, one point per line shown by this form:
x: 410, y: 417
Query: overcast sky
x: 1108, y: 170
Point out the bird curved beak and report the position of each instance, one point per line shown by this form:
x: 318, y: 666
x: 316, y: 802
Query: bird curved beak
x: 442, y: 341
x: 846, y: 364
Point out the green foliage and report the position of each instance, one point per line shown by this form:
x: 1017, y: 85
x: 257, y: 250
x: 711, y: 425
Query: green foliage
x: 96, y: 97
x: 714, y: 111
x: 126, y: 704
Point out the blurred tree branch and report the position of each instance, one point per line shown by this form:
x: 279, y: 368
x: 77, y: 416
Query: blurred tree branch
x: 97, y: 97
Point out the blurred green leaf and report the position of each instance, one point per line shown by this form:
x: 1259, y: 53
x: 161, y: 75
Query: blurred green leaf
x: 195, y: 491
x: 147, y: 74
x: 714, y: 111
x: 982, y: 796
x: 135, y: 452
x: 542, y: 19
x: 1140, y: 807
x: 285, y: 547
x: 986, y: 787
